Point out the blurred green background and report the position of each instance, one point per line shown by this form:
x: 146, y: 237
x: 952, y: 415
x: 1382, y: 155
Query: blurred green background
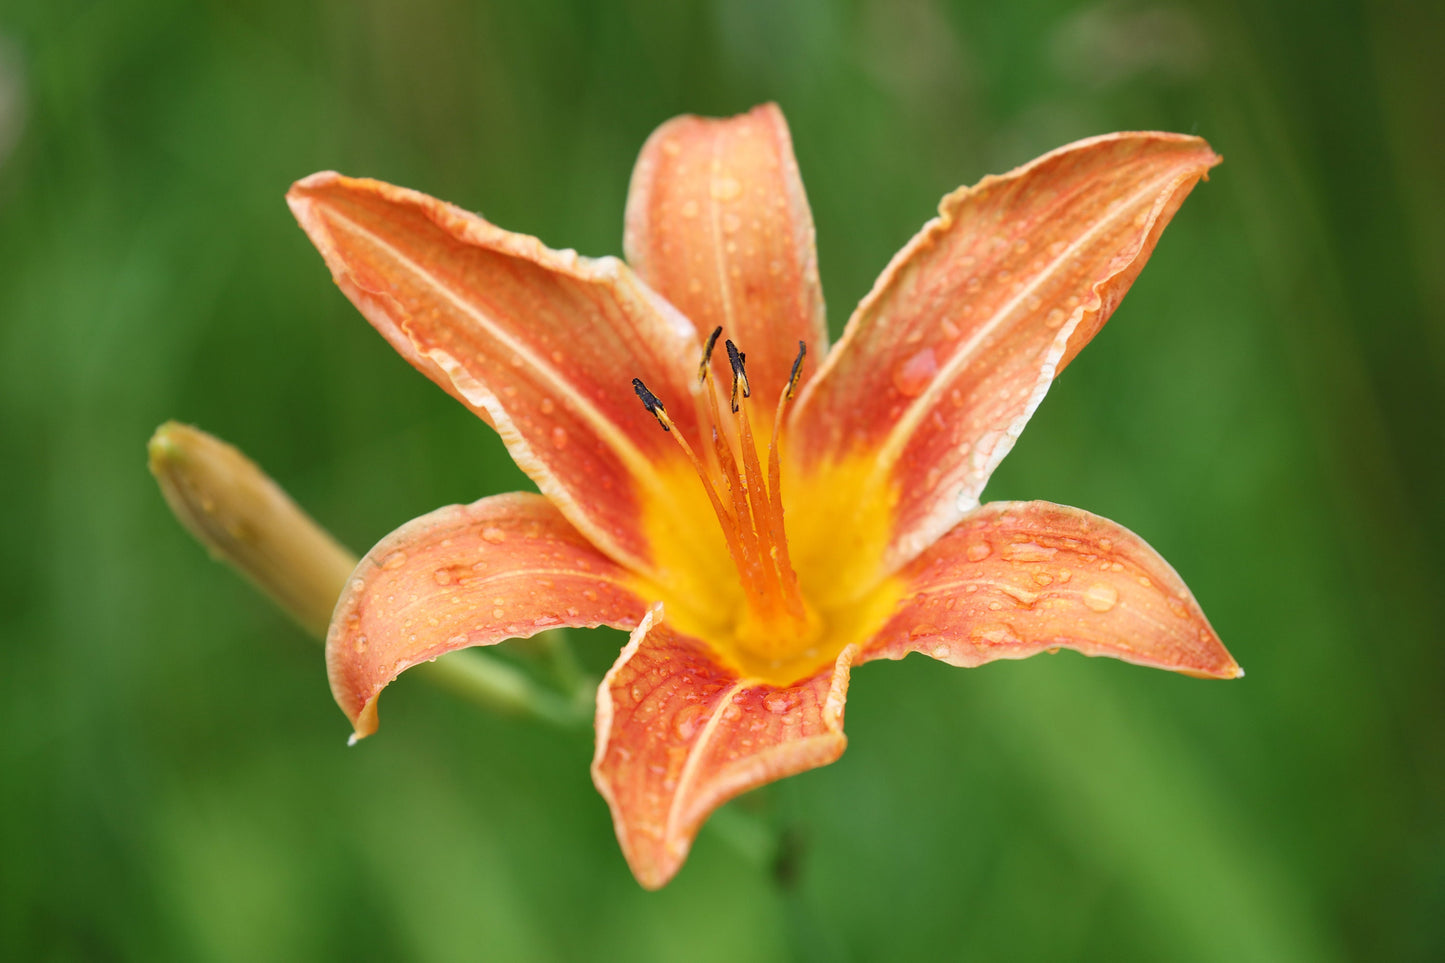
x: 1266, y: 409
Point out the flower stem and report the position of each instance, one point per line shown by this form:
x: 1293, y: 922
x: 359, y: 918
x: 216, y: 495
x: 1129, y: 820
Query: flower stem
x: 246, y: 520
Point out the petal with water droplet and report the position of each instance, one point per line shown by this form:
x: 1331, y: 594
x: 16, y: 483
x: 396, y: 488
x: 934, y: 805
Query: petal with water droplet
x: 679, y: 734
x: 1013, y: 605
x: 513, y: 329
x: 539, y: 572
x: 718, y: 223
x: 943, y: 363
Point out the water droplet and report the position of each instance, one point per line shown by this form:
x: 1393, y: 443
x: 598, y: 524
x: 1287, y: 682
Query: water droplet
x: 688, y: 721
x: 1018, y: 593
x: 359, y: 644
x: 1028, y: 552
x: 731, y: 222
x: 494, y: 535
x: 996, y: 633
x: 394, y: 560
x: 1043, y: 578
x: 1054, y: 318
x: 1101, y: 597
x: 689, y: 209
x: 922, y: 629
x: 498, y: 613
x: 548, y: 406
x: 559, y: 437
x: 941, y: 650
x: 726, y: 189
x: 779, y: 701
x: 589, y: 595
x: 443, y: 576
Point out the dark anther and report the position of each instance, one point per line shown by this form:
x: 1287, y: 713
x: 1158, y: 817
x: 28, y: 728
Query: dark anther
x: 797, y: 373
x: 707, y: 353
x: 740, y: 377
x: 650, y: 402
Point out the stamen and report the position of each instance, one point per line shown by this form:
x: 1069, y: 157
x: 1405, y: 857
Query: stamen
x: 747, y: 572
x: 740, y: 376
x: 775, y: 614
x: 795, y: 376
x: 650, y: 402
x: 775, y: 490
x: 707, y: 353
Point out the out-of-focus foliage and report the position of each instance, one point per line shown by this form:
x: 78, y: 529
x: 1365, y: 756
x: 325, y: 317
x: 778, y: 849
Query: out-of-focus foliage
x: 1265, y: 409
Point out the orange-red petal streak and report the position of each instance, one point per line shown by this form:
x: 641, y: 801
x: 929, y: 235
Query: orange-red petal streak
x: 542, y: 344
x: 1018, y: 578
x: 718, y: 223
x: 678, y: 735
x: 943, y: 363
x: 508, y: 566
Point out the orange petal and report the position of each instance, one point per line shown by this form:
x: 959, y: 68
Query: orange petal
x: 508, y: 566
x: 1016, y: 578
x: 944, y: 362
x: 678, y: 735
x: 542, y: 344
x: 718, y: 223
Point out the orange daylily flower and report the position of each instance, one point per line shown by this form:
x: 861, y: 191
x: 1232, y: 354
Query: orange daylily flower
x: 762, y: 513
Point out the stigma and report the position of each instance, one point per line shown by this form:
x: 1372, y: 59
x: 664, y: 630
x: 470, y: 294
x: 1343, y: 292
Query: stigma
x: 775, y: 622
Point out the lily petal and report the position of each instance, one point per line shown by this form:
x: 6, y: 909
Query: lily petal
x: 717, y: 222
x: 508, y: 566
x: 542, y: 344
x: 1016, y: 578
x: 678, y: 735
x: 946, y: 359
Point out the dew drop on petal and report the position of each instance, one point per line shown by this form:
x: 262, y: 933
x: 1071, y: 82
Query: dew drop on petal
x: 996, y: 633
x: 1029, y: 552
x: 394, y: 561
x: 726, y: 189
x: 443, y: 576
x: 559, y: 437
x: 1101, y: 597
x: 977, y: 551
x: 778, y: 702
x: 913, y: 375
x: 494, y: 535
x: 688, y: 721
x: 689, y: 209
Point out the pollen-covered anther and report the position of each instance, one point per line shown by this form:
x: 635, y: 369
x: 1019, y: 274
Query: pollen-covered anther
x: 653, y: 406
x: 795, y: 375
x: 702, y: 368
x: 740, y: 375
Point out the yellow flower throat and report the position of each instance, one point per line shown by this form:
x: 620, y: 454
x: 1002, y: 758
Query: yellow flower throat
x: 760, y: 620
